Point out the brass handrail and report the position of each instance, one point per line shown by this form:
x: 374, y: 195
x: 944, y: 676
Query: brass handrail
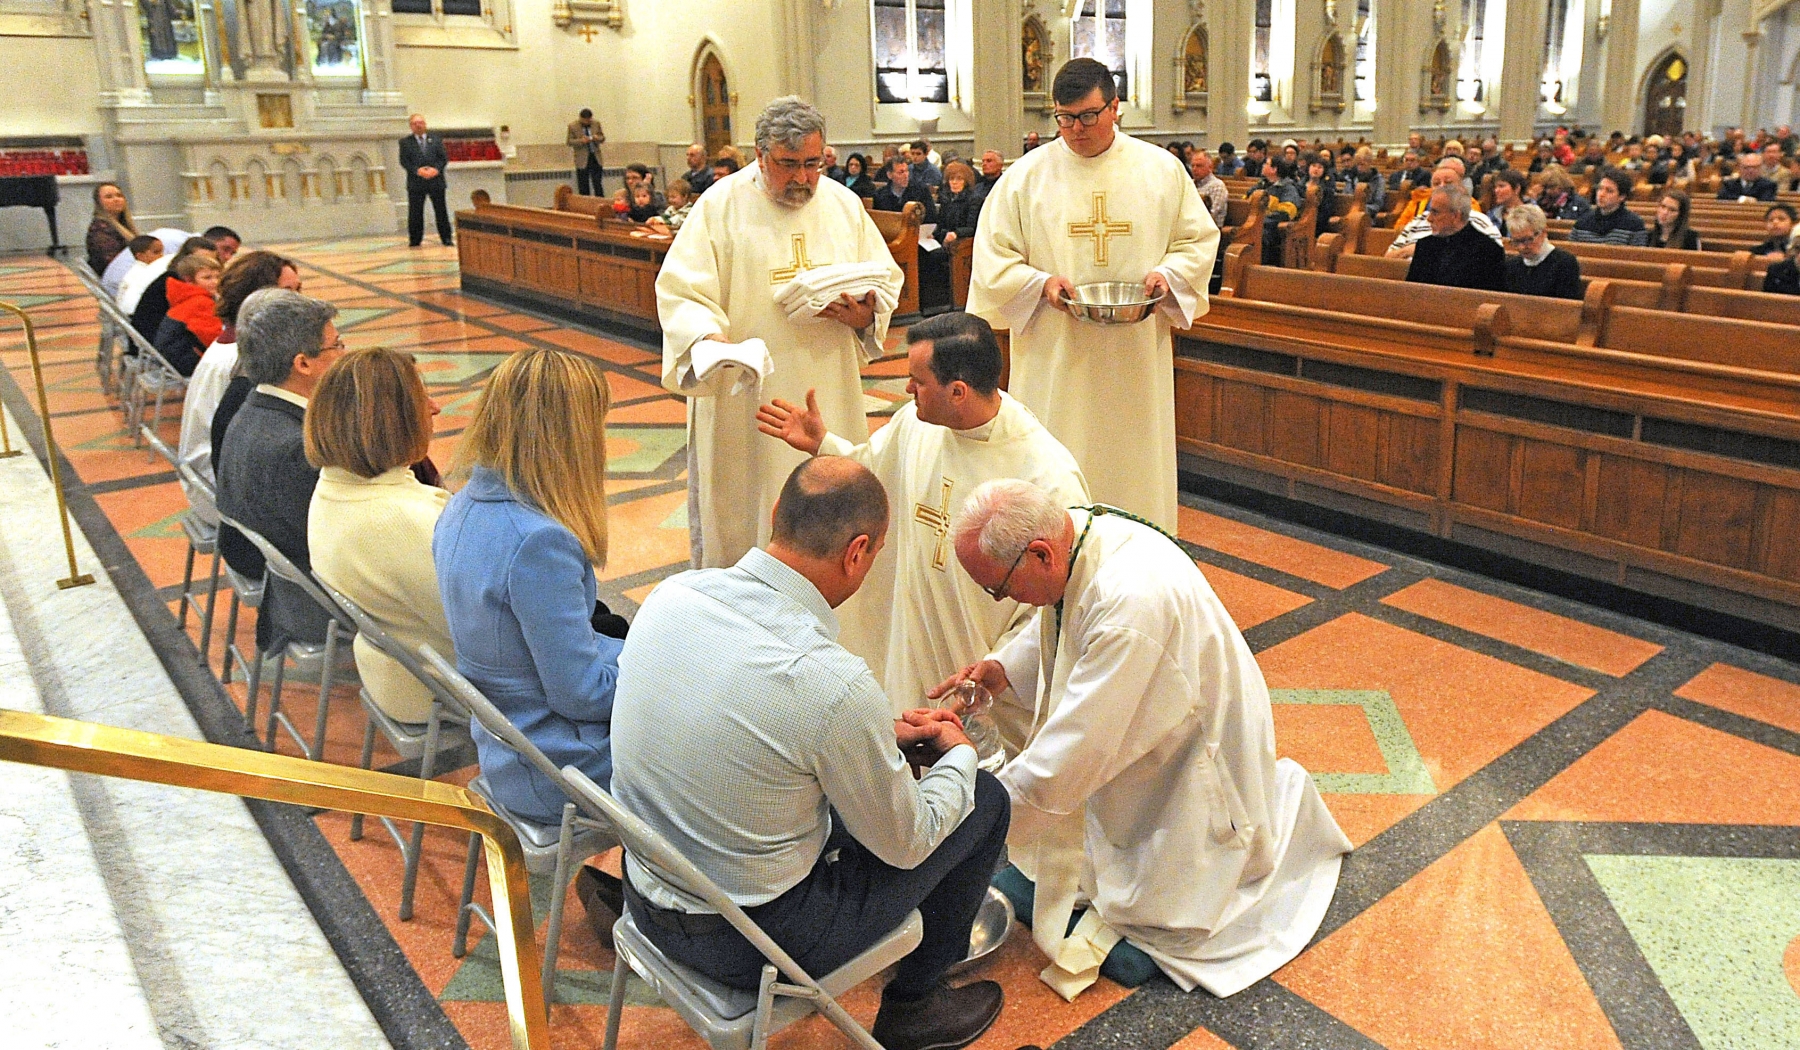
x: 76, y: 577
x: 130, y: 754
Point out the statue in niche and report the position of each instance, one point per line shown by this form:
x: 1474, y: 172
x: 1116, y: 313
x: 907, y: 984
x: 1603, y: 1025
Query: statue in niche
x: 1440, y: 71
x: 159, y: 20
x: 1031, y: 52
x: 1331, y: 69
x: 1193, y: 66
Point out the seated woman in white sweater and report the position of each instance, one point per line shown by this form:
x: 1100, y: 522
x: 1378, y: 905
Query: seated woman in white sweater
x: 370, y: 523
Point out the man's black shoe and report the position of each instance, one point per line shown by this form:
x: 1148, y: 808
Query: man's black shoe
x: 603, y: 898
x: 947, y: 1019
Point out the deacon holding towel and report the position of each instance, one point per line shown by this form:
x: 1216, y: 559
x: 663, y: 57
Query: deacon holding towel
x: 1096, y: 206
x: 1145, y: 788
x: 742, y: 269
x: 918, y: 617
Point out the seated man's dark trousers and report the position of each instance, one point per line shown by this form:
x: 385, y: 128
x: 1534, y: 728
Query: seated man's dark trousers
x: 849, y: 901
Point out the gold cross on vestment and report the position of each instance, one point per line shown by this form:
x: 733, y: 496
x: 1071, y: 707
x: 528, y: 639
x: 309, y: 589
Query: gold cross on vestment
x: 1099, y: 229
x: 588, y: 34
x: 937, y: 519
x: 799, y: 266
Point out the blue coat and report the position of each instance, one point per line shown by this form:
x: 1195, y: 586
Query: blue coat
x: 519, y: 596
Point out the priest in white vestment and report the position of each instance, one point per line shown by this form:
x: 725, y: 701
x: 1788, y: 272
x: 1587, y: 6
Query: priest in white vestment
x: 747, y: 238
x: 1145, y: 782
x: 918, y: 617
x: 1096, y: 205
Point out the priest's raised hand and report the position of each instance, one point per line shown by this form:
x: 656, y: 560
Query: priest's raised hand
x: 803, y: 429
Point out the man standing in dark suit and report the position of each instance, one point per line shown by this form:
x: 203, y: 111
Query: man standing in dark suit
x: 423, y: 157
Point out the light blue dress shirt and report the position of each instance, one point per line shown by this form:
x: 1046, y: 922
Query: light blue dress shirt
x: 519, y: 597
x: 740, y: 724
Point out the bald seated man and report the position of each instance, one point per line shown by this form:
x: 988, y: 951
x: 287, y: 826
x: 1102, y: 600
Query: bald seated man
x: 786, y: 782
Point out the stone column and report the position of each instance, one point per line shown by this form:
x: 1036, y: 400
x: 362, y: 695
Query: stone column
x: 119, y: 51
x: 1396, y: 73
x: 796, y: 32
x: 997, y: 78
x: 1747, y: 115
x: 1521, y: 69
x: 1231, y: 37
x: 1620, y: 99
x: 378, y: 54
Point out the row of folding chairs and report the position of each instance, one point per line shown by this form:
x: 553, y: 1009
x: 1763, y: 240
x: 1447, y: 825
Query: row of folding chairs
x: 129, y: 366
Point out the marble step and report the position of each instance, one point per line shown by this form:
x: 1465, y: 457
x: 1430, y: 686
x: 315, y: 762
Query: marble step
x: 205, y: 941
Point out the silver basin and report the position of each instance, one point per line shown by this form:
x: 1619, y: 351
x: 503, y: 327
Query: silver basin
x: 992, y: 925
x: 1111, y: 302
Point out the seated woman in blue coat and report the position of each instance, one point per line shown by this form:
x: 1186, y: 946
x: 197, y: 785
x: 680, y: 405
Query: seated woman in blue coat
x: 515, y: 551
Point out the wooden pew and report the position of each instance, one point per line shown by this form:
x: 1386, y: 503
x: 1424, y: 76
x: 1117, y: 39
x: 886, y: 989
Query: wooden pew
x: 1643, y: 448
x: 900, y: 229
x: 567, y: 199
x: 568, y: 262
x: 962, y: 271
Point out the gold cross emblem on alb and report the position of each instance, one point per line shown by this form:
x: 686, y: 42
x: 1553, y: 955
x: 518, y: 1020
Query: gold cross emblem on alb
x: 800, y: 265
x: 937, y: 519
x: 1100, y: 230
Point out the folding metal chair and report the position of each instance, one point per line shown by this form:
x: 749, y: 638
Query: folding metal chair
x: 728, y: 1019
x: 444, y: 729
x: 323, y: 657
x: 202, y: 537
x: 553, y: 849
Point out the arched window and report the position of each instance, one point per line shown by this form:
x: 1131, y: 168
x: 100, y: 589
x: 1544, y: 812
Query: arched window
x: 911, y: 59
x: 1364, y: 76
x: 1262, y: 81
x: 1272, y: 55
x: 1099, y: 34
x: 1562, y: 55
x: 1471, y: 80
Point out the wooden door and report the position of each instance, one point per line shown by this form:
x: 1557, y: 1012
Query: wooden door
x: 1665, y: 104
x: 715, y: 106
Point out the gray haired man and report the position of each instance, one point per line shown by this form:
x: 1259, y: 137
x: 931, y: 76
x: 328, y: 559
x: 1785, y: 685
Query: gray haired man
x: 286, y: 341
x: 748, y: 237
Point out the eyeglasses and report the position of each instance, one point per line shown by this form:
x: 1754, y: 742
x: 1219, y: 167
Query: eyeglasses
x: 792, y: 166
x: 1088, y: 119
x: 998, y: 591
x: 339, y: 345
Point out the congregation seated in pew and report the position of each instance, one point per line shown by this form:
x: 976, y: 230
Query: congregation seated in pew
x: 1610, y: 221
x: 1457, y: 253
x: 902, y: 190
x: 1540, y: 267
x: 1671, y: 229
x: 1778, y: 222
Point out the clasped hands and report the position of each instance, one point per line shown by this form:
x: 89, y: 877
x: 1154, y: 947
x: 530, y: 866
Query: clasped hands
x: 926, y: 734
x: 1059, y: 290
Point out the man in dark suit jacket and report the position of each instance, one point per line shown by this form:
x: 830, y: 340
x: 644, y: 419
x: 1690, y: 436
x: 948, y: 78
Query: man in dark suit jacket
x: 901, y: 188
x: 1456, y: 254
x: 422, y: 155
x: 265, y: 482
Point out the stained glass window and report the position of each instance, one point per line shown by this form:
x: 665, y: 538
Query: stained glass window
x: 910, y: 64
x: 1100, y: 34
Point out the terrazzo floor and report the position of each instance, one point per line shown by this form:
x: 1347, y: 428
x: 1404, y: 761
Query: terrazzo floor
x: 1573, y: 829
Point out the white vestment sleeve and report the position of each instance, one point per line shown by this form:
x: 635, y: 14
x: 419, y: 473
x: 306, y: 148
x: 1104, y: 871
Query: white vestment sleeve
x: 1005, y: 290
x: 873, y: 248
x: 689, y: 299
x: 1188, y: 263
x: 1105, y: 720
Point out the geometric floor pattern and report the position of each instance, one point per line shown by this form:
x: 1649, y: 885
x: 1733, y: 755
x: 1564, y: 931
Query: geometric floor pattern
x: 1573, y: 829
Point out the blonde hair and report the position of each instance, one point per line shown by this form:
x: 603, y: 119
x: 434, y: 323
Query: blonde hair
x: 541, y: 426
x: 188, y: 265
x: 369, y: 414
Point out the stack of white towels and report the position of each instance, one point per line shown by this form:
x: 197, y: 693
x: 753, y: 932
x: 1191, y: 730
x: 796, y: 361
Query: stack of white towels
x: 811, y: 291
